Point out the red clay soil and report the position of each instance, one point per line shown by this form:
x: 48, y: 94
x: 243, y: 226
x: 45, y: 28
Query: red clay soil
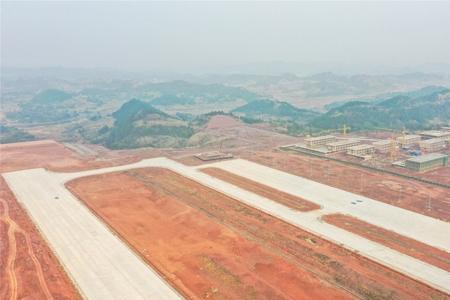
x: 56, y: 157
x: 222, y: 121
x: 400, y: 192
x: 28, y: 268
x: 38, y: 154
x: 212, y: 246
x: 202, y: 258
x: 421, y: 251
x: 439, y: 175
x: 289, y: 200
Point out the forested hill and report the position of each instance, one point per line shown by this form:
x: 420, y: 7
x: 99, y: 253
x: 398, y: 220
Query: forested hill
x: 139, y: 124
x: 415, y: 111
x: 269, y: 109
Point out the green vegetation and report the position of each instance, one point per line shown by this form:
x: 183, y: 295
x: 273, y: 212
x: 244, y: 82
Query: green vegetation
x: 139, y: 124
x: 265, y: 109
x: 50, y: 96
x: 383, y: 97
x: 414, y: 111
x: 13, y: 135
x: 49, y: 106
x: 182, y: 92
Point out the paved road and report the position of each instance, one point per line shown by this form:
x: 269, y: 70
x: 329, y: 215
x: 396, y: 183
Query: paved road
x: 99, y: 263
x: 333, y: 200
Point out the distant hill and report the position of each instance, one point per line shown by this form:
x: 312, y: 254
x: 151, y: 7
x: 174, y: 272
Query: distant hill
x: 46, y: 107
x: 264, y: 109
x: 380, y: 98
x: 193, y: 97
x: 417, y: 110
x: 50, y: 96
x: 13, y: 135
x: 205, y: 92
x: 139, y: 124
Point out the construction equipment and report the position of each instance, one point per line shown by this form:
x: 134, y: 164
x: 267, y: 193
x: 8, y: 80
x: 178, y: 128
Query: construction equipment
x: 393, y: 147
x: 345, y: 128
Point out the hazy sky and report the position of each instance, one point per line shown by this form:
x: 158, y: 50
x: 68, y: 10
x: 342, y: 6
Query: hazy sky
x: 198, y: 36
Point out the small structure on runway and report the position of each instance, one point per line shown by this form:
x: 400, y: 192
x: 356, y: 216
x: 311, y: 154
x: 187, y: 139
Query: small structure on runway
x: 213, y: 155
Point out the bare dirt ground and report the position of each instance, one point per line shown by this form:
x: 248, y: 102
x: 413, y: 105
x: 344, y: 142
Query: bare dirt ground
x: 27, y: 155
x: 392, y: 240
x: 440, y: 175
x: 222, y: 121
x: 412, y: 195
x: 203, y: 258
x: 289, y: 200
x: 28, y: 268
x: 211, y: 246
x: 56, y: 157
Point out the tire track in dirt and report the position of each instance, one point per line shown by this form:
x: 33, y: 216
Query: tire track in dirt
x: 13, y: 228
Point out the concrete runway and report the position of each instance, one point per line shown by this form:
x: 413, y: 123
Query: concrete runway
x: 58, y: 217
x: 428, y: 230
x: 97, y: 261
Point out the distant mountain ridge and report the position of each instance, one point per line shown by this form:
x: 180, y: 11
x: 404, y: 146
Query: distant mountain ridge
x: 270, y: 109
x: 416, y: 110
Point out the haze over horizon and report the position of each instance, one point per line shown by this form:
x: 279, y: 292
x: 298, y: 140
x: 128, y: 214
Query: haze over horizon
x: 228, y: 37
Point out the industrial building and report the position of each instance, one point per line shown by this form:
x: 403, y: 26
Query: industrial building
x: 408, y: 140
x: 430, y: 134
x: 342, y: 145
x: 313, y: 142
x: 427, y: 162
x: 384, y: 146
x: 432, y: 145
x: 363, y: 151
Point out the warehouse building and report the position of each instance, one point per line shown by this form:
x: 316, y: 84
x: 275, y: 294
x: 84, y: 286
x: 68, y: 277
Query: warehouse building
x: 408, y: 140
x: 362, y: 151
x: 432, y: 145
x: 312, y: 142
x: 431, y: 134
x: 384, y: 146
x: 427, y: 162
x: 342, y: 145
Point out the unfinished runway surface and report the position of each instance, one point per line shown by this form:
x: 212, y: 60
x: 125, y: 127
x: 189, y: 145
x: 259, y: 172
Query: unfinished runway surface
x: 99, y: 263
x: 49, y: 184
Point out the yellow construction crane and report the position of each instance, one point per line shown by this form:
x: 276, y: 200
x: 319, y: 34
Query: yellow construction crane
x: 345, y: 128
x: 404, y: 132
x: 393, y: 147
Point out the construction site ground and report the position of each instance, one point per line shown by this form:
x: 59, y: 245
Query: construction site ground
x: 340, y: 272
x: 419, y: 197
x: 391, y: 239
x: 289, y: 200
x: 28, y: 268
x: 215, y: 246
